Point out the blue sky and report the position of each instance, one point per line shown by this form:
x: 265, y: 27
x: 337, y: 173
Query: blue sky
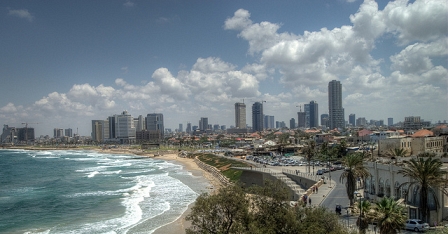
x: 64, y: 63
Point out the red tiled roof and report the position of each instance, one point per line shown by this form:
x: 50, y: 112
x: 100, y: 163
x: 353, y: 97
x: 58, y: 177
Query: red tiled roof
x: 423, y: 133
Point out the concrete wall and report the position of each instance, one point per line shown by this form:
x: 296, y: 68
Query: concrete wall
x: 251, y: 178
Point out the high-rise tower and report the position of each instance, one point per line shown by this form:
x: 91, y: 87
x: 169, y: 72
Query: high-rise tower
x: 257, y: 116
x: 314, y: 114
x: 336, y: 112
x: 240, y: 115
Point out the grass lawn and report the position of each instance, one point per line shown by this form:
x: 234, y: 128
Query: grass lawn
x: 223, y: 164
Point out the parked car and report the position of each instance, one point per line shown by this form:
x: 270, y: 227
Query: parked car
x: 416, y: 225
x: 319, y: 172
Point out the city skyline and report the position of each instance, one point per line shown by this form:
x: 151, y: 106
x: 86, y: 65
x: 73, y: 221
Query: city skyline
x: 65, y: 64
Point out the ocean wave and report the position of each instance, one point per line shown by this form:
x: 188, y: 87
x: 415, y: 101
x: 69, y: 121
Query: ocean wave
x: 92, y: 174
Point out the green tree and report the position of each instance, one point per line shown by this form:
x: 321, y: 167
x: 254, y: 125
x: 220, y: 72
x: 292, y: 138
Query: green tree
x: 355, y: 169
x: 224, y: 212
x: 263, y: 210
x: 274, y: 214
x: 341, y: 149
x: 390, y: 216
x: 318, y: 220
x: 429, y: 177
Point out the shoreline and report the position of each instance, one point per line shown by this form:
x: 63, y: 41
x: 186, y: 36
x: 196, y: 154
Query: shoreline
x: 179, y: 225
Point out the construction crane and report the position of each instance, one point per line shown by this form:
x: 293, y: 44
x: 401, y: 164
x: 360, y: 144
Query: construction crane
x: 26, y: 131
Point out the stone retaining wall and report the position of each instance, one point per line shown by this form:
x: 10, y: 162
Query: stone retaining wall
x: 212, y: 170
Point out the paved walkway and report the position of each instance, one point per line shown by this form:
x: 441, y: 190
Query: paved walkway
x: 322, y: 193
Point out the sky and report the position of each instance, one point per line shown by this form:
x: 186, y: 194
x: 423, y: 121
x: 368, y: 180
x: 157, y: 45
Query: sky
x: 65, y: 63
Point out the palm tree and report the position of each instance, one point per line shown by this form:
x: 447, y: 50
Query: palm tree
x: 355, y: 169
x: 390, y: 216
x: 363, y: 219
x: 428, y: 176
x: 397, y: 152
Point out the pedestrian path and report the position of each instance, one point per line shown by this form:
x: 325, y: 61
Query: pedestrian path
x: 321, y: 193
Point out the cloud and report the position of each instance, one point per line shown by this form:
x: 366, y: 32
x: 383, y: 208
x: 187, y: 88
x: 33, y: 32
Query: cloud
x: 9, y: 108
x: 128, y: 3
x: 22, y: 13
x: 416, y: 58
x: 422, y: 20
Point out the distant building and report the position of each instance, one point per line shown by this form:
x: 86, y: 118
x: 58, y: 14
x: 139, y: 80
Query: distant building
x: 58, y: 133
x: 292, y: 123
x: 25, y: 134
x: 352, y: 119
x: 9, y: 134
x: 336, y: 111
x: 268, y: 122
x: 111, y: 121
x: 306, y: 109
x: 68, y: 132
x: 314, y: 114
x: 301, y: 119
x: 240, y: 115
x: 139, y: 123
x: 203, y: 124
x: 412, y: 123
x: 97, y: 131
x: 124, y: 127
x: 361, y: 122
x: 188, y: 130
x: 257, y: 117
x: 181, y: 128
x: 155, y: 126
x: 390, y: 121
x: 324, y: 120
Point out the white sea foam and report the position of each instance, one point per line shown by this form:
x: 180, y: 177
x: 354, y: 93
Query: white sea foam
x: 92, y: 174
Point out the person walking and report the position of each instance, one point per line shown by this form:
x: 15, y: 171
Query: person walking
x: 309, y: 201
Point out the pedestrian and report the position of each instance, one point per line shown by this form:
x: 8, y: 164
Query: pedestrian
x: 309, y: 201
x: 317, y: 189
x: 314, y: 189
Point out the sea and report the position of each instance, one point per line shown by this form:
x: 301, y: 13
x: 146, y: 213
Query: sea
x: 57, y: 191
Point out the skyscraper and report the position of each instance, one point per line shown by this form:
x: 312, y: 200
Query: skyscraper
x: 336, y: 112
x: 390, y: 121
x: 154, y: 124
x: 69, y: 132
x: 352, y: 119
x: 97, y: 130
x: 188, y: 130
x: 203, y: 124
x: 181, y: 127
x: 301, y: 118
x: 324, y: 120
x: 292, y: 123
x: 314, y: 114
x: 257, y: 116
x: 306, y: 109
x: 240, y: 115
